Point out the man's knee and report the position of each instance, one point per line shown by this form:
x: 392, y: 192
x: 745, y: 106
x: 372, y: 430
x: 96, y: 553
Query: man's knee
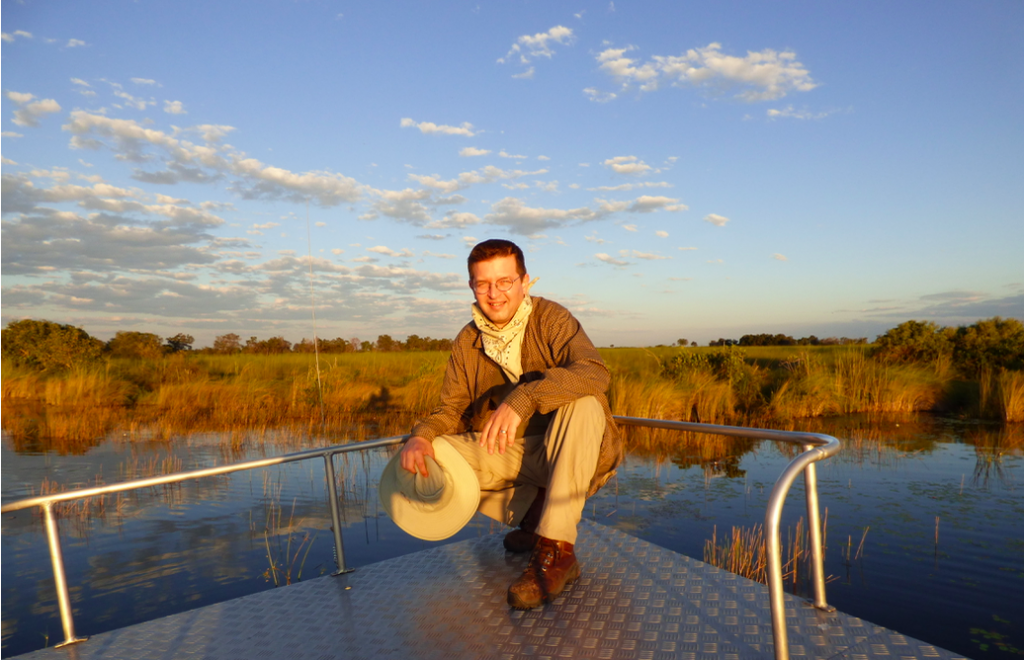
x: 584, y: 414
x: 586, y: 406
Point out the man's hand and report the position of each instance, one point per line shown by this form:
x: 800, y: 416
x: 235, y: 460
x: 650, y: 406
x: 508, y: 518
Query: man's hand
x: 500, y: 429
x: 413, y: 452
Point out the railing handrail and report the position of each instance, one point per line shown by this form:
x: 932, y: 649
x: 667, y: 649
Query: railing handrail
x: 817, y: 446
x: 176, y: 477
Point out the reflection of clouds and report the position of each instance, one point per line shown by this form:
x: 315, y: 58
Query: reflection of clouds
x: 199, y: 541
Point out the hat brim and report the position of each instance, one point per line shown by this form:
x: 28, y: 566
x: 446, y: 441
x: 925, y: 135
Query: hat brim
x: 440, y: 523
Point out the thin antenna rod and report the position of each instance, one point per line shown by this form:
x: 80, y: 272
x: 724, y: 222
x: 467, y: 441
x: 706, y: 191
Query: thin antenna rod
x: 316, y: 339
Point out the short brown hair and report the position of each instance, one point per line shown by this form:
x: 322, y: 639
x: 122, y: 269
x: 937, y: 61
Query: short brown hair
x: 494, y: 248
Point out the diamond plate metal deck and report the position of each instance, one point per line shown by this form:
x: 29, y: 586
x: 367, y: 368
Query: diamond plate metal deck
x: 633, y: 600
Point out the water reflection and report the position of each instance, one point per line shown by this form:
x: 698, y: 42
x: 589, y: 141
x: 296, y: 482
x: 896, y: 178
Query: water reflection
x: 164, y: 550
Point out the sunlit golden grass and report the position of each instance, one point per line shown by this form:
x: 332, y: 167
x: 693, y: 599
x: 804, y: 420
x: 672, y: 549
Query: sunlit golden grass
x: 745, y: 553
x: 191, y: 393
x: 1008, y: 394
x: 849, y: 382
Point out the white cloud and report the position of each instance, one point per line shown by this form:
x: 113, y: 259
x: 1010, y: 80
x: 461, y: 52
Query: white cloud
x: 598, y: 96
x: 454, y: 219
x: 525, y: 75
x: 649, y: 204
x: 779, y: 257
x: 505, y: 154
x: 80, y: 82
x: 11, y: 134
x: 715, y: 219
x: 31, y: 111
x: 75, y: 43
x: 405, y: 205
x: 19, y: 97
x: 381, y: 249
x: 143, y: 81
x: 789, y: 113
x: 473, y: 151
x: 627, y: 165
x: 686, y: 248
x: 512, y: 213
x: 760, y: 76
x: 186, y: 161
x: 629, y: 227
x: 542, y: 157
x: 661, y: 234
x: 435, y: 182
x: 10, y: 38
x: 608, y: 259
x: 337, y: 251
x: 174, y: 108
x: 632, y: 186
x: 428, y: 127
x: 529, y: 47
x: 133, y: 101
x: 594, y: 239
x: 647, y: 256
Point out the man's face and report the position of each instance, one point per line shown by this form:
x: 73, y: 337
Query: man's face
x: 498, y: 306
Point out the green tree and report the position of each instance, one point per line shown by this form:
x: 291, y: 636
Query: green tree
x: 992, y: 343
x: 913, y: 341
x: 138, y: 345
x: 180, y: 342
x: 271, y: 346
x: 227, y: 344
x: 48, y: 346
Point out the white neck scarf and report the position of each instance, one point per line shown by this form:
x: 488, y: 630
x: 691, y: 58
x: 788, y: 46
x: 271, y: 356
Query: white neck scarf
x: 505, y: 345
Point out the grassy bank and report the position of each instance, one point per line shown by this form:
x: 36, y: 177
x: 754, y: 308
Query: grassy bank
x: 381, y: 393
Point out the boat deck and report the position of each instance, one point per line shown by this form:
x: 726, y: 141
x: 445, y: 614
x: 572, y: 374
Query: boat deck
x: 633, y: 600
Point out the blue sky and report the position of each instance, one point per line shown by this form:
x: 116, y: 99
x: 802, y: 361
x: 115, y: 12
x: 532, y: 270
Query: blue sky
x: 672, y: 170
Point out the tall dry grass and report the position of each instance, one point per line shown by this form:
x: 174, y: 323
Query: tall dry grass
x: 809, y: 385
x: 362, y: 392
x: 745, y: 553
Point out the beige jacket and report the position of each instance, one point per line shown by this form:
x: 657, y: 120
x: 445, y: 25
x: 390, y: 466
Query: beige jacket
x: 560, y: 365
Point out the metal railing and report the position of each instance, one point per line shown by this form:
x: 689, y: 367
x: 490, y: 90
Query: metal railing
x: 816, y: 447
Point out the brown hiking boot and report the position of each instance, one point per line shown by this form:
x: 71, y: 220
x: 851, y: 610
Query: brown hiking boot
x: 524, y: 537
x: 552, y: 566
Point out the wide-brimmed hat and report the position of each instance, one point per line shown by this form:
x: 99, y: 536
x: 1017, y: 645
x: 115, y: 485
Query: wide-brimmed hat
x: 436, y: 506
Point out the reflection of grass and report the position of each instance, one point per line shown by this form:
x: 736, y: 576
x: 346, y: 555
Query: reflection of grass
x: 284, y: 564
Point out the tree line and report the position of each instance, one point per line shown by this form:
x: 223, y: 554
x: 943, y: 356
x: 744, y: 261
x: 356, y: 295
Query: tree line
x: 767, y: 339
x: 49, y: 346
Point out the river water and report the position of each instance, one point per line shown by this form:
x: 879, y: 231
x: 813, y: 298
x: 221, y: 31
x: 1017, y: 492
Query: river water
x: 925, y: 526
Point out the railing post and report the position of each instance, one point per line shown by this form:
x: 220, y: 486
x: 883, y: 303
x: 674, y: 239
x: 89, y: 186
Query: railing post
x: 332, y: 490
x: 814, y: 527
x: 59, y: 578
x: 776, y: 593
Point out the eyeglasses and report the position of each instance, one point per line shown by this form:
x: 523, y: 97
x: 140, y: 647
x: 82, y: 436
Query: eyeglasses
x: 504, y: 284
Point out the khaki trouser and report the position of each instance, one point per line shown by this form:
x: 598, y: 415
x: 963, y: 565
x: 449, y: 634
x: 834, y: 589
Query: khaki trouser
x: 562, y: 460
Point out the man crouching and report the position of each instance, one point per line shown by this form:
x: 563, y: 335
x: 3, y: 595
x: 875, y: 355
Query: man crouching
x: 523, y: 402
